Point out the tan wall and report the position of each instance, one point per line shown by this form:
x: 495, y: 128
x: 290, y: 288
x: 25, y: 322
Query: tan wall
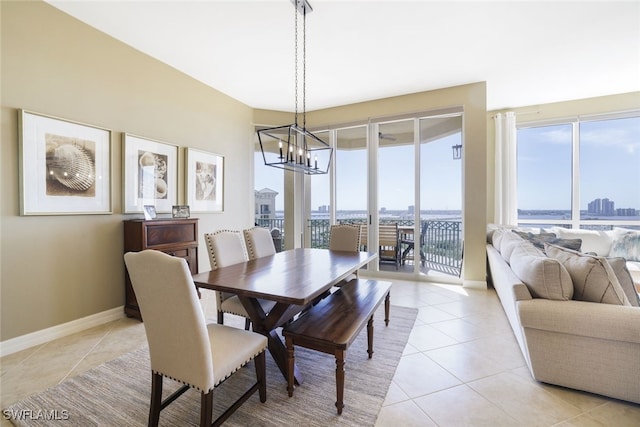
x: 55, y: 269
x: 472, y: 98
x: 553, y: 111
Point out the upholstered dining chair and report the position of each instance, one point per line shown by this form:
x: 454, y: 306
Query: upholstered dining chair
x: 344, y: 237
x: 181, y: 345
x: 226, y: 247
x: 259, y: 242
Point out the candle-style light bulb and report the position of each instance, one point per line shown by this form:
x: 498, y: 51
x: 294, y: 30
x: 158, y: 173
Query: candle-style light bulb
x: 280, y: 147
x: 308, y: 159
x: 316, y: 160
x: 291, y: 153
x: 300, y: 155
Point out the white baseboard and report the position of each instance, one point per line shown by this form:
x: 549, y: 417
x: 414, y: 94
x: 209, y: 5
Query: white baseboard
x: 23, y: 342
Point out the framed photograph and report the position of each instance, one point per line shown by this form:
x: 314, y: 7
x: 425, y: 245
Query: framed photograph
x: 65, y: 166
x: 149, y: 212
x: 181, y: 211
x: 150, y: 174
x: 205, y: 181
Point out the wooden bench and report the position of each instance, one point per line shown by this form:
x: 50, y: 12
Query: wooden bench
x: 334, y: 323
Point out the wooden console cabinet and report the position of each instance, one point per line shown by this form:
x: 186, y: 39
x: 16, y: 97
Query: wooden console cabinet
x: 177, y: 237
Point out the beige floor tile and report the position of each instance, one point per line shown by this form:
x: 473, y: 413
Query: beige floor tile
x: 394, y: 395
x: 405, y: 414
x: 524, y: 400
x: 466, y: 364
x: 461, y: 330
x: 471, y: 409
x: 417, y: 375
x: 618, y: 413
x: 426, y: 337
x: 432, y: 314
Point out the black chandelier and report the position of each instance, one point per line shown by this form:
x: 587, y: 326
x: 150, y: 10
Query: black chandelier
x: 293, y: 147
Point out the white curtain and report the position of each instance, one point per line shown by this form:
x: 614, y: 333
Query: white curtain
x: 506, y: 197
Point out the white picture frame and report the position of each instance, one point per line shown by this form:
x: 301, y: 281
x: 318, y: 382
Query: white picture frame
x: 150, y: 169
x: 65, y: 166
x: 204, y: 181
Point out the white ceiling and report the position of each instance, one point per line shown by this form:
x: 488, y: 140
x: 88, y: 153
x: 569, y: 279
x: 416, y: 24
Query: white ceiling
x: 528, y: 52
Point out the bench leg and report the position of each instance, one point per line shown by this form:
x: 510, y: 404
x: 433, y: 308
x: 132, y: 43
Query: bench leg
x: 290, y: 365
x: 387, y: 303
x: 370, y: 337
x: 340, y: 380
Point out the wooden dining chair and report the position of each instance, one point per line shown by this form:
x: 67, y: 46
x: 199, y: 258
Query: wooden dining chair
x: 182, y: 346
x: 259, y: 242
x: 226, y: 247
x: 388, y: 240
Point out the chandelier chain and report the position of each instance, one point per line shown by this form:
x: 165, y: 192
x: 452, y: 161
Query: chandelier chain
x: 304, y: 70
x: 295, y: 11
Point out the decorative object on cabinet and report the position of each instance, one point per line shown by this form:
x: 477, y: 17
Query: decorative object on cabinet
x: 149, y: 212
x: 204, y: 180
x: 65, y: 166
x: 177, y: 237
x: 150, y: 174
x: 181, y: 211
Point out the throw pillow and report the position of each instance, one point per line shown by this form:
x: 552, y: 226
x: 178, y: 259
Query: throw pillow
x: 592, y: 276
x: 626, y: 245
x: 619, y: 266
x: 544, y: 277
x: 540, y: 239
x: 597, y: 241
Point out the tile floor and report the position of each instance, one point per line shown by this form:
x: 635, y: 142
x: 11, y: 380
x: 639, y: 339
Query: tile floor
x: 461, y: 367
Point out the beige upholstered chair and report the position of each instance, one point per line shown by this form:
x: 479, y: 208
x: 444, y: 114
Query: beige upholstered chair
x: 226, y: 247
x: 181, y: 345
x: 344, y: 237
x: 259, y: 242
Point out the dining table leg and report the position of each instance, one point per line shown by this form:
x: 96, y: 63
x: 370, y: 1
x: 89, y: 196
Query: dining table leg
x: 266, y: 324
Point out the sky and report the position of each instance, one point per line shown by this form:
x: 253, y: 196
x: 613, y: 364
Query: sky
x: 609, y: 164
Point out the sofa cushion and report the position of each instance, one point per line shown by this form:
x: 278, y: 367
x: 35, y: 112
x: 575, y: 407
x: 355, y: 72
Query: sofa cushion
x: 596, y: 241
x: 509, y: 242
x: 619, y: 266
x: 545, y: 277
x: 626, y: 244
x: 593, y: 278
x: 540, y: 239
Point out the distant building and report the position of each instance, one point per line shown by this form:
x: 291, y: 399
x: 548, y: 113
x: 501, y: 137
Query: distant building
x: 265, y: 202
x: 603, y: 207
x: 323, y: 209
x: 627, y: 212
x: 411, y: 210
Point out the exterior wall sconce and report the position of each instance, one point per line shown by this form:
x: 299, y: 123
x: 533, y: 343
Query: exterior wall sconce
x: 457, y: 151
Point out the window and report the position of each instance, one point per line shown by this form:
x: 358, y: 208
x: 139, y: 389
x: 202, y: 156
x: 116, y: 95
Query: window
x: 581, y: 173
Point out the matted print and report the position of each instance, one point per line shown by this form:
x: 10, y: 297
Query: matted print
x: 150, y: 174
x: 65, y: 166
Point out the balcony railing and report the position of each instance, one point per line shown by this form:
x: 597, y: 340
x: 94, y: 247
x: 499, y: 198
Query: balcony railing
x: 440, y: 240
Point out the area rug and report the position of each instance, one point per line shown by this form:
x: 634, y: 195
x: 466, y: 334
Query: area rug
x: 117, y: 392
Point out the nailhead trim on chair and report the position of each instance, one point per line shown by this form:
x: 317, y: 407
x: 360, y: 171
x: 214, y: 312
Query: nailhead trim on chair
x: 218, y: 382
x: 212, y: 257
x: 249, y: 242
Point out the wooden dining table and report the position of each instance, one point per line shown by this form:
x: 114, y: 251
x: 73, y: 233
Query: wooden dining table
x: 293, y: 279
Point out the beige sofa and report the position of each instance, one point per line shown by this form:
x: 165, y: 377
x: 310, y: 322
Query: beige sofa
x: 591, y: 346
